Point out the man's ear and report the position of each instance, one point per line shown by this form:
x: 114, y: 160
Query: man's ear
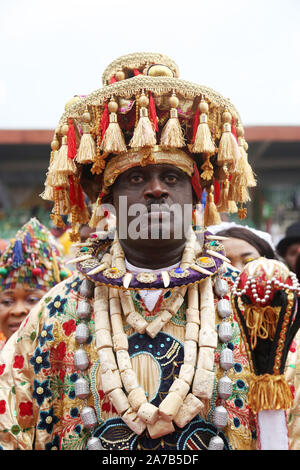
x: 91, y: 186
x: 108, y: 199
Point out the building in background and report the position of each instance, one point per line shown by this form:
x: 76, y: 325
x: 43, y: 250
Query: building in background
x: 274, y: 153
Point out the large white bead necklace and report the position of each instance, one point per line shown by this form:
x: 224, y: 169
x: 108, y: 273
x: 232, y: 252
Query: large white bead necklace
x: 119, y: 380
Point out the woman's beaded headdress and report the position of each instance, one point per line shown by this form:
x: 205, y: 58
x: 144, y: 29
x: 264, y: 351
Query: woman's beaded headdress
x: 144, y: 107
x: 32, y: 259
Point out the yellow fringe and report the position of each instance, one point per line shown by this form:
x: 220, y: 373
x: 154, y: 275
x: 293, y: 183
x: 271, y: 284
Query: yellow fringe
x: 203, y: 140
x: 228, y: 153
x: 87, y: 149
x: 113, y: 140
x: 61, y: 162
x: 223, y: 205
x: 172, y: 135
x: 261, y: 322
x: 208, y: 169
x: 211, y: 215
x: 144, y: 133
x: 269, y: 392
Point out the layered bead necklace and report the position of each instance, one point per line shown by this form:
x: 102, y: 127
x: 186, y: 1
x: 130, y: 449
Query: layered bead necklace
x: 119, y: 381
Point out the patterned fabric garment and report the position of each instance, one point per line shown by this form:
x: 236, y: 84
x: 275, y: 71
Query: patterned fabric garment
x: 38, y: 407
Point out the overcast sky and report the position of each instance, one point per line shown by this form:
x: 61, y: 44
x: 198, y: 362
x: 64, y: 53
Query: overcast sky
x: 248, y: 50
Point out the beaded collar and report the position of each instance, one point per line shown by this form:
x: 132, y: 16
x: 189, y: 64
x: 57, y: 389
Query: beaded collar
x: 92, y: 261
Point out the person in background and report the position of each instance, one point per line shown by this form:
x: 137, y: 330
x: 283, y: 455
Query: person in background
x: 289, y: 246
x: 244, y: 244
x: 29, y: 267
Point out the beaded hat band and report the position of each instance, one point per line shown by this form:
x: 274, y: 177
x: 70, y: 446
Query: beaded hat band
x: 143, y: 157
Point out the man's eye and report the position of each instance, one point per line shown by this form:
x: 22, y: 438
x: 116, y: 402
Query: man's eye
x: 171, y: 178
x: 136, y: 179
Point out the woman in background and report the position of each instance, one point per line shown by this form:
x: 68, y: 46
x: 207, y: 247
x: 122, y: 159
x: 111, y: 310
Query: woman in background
x: 29, y: 267
x: 244, y: 244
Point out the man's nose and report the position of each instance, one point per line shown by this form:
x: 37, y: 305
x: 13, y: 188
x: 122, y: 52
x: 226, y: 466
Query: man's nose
x: 155, y: 189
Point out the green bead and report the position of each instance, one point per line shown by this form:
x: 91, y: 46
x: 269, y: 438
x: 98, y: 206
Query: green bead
x: 213, y: 243
x: 3, y: 271
x: 63, y: 274
x: 84, y: 249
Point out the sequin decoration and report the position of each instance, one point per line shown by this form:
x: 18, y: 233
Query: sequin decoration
x: 205, y: 262
x: 179, y: 273
x: 146, y: 278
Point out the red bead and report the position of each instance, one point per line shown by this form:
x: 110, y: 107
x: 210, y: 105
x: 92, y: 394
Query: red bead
x: 36, y: 271
x: 28, y: 261
x: 94, y: 236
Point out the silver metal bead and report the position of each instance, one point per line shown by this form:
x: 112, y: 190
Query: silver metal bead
x: 81, y: 359
x: 221, y: 287
x: 88, y: 416
x: 83, y: 309
x: 220, y: 417
x: 82, y: 333
x: 225, y: 332
x: 224, y: 308
x: 87, y: 288
x: 216, y: 443
x: 94, y: 444
x: 226, y: 359
x: 82, y: 388
x: 224, y: 387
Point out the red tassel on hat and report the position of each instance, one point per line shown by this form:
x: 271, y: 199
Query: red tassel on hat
x: 80, y: 197
x: 104, y: 120
x: 196, y: 184
x: 112, y: 80
x: 71, y: 140
x: 233, y: 130
x: 196, y: 123
x: 217, y: 190
x: 136, y: 72
x: 72, y: 192
x: 152, y: 112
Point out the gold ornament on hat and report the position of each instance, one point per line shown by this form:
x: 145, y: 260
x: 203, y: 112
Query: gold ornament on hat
x: 87, y: 148
x: 113, y: 140
x: 144, y: 133
x: 172, y: 135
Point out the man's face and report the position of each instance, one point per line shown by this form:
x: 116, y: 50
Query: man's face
x: 158, y: 200
x: 291, y: 255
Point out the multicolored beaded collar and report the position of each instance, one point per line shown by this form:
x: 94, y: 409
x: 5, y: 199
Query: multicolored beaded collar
x: 94, y: 262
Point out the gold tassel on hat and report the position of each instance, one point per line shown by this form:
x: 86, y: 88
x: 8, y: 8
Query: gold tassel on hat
x: 211, y: 215
x: 48, y: 193
x: 269, y: 392
x: 208, y: 169
x: 228, y: 152
x: 223, y: 205
x: 243, y: 146
x: 144, y: 133
x: 87, y: 148
x: 172, y: 135
x: 62, y: 164
x: 203, y: 141
x: 113, y: 139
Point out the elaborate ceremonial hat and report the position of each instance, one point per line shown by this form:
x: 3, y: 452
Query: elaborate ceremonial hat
x: 32, y: 259
x: 145, y: 114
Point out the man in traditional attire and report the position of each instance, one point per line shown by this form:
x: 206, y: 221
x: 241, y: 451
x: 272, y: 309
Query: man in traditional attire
x: 141, y: 348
